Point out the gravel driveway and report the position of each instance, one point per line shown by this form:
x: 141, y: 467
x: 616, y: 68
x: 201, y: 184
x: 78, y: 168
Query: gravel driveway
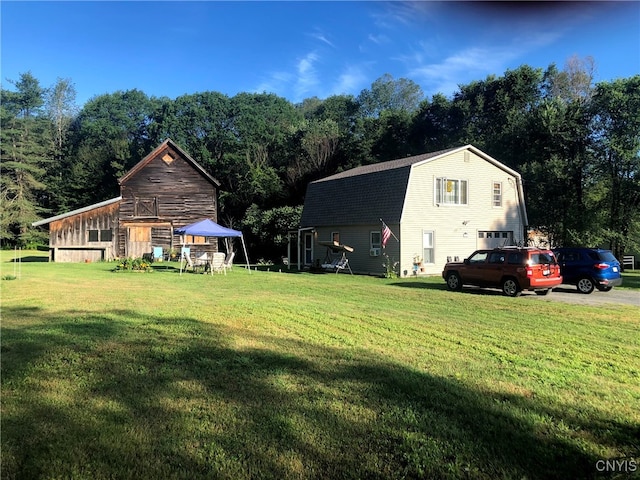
x: 570, y: 294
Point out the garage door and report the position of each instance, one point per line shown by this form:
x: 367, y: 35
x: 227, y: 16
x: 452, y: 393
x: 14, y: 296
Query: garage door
x: 494, y: 238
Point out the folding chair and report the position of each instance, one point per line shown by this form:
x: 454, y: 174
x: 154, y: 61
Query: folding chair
x: 201, y: 260
x: 185, y: 256
x: 217, y: 263
x: 157, y: 254
x: 228, y: 261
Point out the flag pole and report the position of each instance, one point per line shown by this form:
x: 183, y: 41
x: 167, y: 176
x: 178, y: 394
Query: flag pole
x: 390, y: 231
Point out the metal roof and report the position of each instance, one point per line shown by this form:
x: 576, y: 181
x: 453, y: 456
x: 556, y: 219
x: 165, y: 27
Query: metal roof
x: 75, y: 212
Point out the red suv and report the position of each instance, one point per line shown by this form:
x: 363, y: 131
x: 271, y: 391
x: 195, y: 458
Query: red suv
x: 512, y: 269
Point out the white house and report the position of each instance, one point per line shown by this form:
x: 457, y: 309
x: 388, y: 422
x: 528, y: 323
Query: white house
x: 440, y: 206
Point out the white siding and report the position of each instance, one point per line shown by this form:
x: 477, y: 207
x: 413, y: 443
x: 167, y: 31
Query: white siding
x: 452, y: 236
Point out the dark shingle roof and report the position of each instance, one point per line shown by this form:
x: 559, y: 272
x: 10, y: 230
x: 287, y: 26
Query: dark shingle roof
x: 362, y: 195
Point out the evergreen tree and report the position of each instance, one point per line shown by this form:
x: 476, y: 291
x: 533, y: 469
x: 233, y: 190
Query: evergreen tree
x: 24, y: 155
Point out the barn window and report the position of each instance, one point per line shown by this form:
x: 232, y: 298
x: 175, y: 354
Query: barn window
x: 100, y: 235
x: 450, y: 191
x: 146, y: 207
x: 106, y: 235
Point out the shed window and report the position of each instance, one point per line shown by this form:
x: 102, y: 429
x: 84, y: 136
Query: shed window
x: 100, y: 235
x: 335, y: 237
x: 450, y: 191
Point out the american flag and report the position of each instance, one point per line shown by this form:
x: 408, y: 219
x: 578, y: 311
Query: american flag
x: 386, y: 234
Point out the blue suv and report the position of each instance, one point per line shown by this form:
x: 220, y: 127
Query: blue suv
x: 589, y: 268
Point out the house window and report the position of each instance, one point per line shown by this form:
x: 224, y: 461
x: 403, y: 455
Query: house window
x: 497, y: 194
x: 335, y: 237
x: 451, y: 192
x: 427, y: 246
x: 93, y: 235
x: 375, y: 239
x: 375, y: 243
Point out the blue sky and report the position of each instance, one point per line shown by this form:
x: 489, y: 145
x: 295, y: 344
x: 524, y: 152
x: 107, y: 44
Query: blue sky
x: 299, y: 50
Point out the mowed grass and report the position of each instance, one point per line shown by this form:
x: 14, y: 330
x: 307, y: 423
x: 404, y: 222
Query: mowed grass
x: 278, y: 375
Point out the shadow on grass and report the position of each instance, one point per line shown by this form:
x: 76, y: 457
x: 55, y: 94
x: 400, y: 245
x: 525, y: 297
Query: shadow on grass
x: 29, y: 259
x: 126, y: 395
x: 416, y: 283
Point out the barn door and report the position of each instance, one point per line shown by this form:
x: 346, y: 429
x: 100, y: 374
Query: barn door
x: 138, y: 241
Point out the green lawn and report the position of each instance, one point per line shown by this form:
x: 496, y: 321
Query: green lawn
x: 277, y: 375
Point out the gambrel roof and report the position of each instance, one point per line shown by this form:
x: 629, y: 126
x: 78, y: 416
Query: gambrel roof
x: 364, y: 195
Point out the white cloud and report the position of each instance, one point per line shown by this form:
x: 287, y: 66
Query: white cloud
x: 473, y: 63
x: 350, y: 82
x: 378, y: 39
x: 323, y: 38
x: 307, y: 76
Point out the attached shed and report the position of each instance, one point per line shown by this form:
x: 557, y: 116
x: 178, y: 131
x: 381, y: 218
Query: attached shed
x: 439, y: 206
x: 165, y: 190
x: 85, y: 234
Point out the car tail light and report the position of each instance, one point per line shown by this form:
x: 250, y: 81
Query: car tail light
x: 601, y: 266
x: 529, y: 272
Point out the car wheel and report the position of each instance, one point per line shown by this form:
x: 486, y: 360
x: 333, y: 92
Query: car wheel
x: 454, y: 282
x: 543, y: 292
x: 585, y: 285
x: 604, y: 289
x: 510, y: 287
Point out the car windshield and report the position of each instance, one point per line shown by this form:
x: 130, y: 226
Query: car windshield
x: 542, y: 258
x: 478, y: 257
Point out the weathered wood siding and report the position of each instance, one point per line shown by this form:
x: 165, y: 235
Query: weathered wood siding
x: 166, y: 193
x: 78, y: 238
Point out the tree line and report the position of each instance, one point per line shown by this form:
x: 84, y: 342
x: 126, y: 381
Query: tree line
x: 575, y: 142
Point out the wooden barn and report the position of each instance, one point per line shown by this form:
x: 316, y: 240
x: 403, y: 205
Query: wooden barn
x: 166, y: 190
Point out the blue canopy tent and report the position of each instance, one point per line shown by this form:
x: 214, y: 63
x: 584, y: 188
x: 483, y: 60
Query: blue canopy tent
x: 209, y: 228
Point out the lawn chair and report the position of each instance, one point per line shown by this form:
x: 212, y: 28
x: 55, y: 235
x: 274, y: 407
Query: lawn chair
x: 217, y: 263
x: 228, y: 261
x: 157, y: 254
x: 201, y: 261
x: 185, y: 256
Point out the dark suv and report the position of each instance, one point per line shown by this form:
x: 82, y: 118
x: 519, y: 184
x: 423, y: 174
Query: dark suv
x: 512, y: 269
x: 589, y: 268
